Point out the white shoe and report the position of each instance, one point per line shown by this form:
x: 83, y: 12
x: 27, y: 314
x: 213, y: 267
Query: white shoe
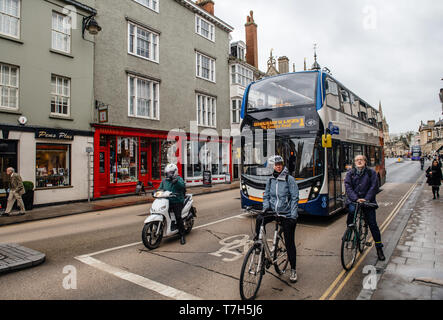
x: 293, y: 278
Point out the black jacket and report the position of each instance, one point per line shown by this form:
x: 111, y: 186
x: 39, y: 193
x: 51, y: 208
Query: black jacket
x: 435, y: 178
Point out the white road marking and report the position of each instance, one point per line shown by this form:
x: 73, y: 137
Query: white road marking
x: 232, y: 243
x: 160, y: 288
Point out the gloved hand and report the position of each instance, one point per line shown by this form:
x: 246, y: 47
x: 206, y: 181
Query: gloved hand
x: 174, y: 180
x: 266, y: 210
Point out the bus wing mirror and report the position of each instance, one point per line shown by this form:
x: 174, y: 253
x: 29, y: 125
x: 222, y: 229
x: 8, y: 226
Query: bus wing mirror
x: 327, y: 141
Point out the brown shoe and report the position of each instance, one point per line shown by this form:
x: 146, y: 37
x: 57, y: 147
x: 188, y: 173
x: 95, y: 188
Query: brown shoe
x: 5, y: 215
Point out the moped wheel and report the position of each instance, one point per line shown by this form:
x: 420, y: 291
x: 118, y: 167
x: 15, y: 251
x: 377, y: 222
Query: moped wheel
x: 349, y: 247
x: 152, y: 234
x: 188, y: 225
x: 252, y: 272
x: 280, y: 256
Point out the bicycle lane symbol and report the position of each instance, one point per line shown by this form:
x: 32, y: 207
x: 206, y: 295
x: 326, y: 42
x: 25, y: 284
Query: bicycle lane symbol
x: 234, y: 246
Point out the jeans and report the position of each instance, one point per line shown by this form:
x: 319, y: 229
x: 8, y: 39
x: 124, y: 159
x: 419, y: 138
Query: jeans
x: 288, y: 226
x: 370, y: 218
x: 177, y: 208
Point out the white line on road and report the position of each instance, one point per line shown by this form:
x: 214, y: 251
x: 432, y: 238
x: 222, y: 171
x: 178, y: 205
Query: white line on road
x: 160, y: 288
x: 137, y: 279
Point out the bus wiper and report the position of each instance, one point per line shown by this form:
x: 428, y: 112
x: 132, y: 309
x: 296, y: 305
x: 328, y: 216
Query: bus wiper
x: 259, y: 109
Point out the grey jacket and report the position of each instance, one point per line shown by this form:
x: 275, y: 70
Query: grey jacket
x: 282, y: 195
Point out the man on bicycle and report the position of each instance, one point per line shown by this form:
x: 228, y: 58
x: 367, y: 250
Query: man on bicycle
x: 361, y: 186
x: 282, y: 196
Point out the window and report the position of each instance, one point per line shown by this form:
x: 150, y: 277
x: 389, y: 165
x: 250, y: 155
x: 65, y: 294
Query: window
x: 143, y: 98
x: 372, y: 116
x: 9, y: 86
x: 151, y: 4
x: 363, y: 112
x: 345, y: 101
x: 10, y: 18
x: 204, y: 28
x: 206, y: 111
x: 235, y: 110
x: 60, y: 95
x: 143, y: 43
x: 205, y: 67
x: 53, y: 164
x: 61, y: 32
x: 241, y: 75
x: 332, y: 98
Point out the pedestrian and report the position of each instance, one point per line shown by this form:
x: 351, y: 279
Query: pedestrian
x: 281, y: 196
x: 16, y: 191
x: 434, y: 176
x: 361, y: 185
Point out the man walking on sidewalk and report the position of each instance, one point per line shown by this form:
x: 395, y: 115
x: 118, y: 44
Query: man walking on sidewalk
x: 16, y: 191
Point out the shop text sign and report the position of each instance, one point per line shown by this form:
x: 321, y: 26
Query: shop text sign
x: 292, y: 123
x: 54, y: 134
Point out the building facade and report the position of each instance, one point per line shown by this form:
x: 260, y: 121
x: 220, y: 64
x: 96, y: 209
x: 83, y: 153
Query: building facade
x: 243, y: 68
x: 160, y: 65
x: 431, y: 137
x: 46, y: 103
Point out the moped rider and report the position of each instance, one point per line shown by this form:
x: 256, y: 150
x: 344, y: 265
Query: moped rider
x: 175, y: 184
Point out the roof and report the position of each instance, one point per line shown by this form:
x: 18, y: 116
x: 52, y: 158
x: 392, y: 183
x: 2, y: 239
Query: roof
x: 197, y: 9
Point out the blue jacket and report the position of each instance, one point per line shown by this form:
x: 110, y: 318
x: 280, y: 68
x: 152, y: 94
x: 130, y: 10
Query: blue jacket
x: 364, y: 186
x: 282, y: 195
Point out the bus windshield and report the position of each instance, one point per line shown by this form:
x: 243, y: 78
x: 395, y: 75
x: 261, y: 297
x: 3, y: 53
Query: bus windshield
x: 302, y: 156
x: 283, y: 91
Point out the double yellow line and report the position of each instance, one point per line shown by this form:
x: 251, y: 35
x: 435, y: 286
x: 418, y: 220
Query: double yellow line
x: 383, y: 227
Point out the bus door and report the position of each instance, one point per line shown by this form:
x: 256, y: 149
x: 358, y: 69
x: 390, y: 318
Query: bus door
x: 338, y: 160
x: 334, y: 177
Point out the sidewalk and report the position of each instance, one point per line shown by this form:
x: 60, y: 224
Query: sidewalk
x: 98, y: 205
x: 415, y: 269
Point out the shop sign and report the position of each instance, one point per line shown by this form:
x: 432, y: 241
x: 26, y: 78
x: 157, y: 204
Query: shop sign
x: 207, y: 178
x: 54, y: 134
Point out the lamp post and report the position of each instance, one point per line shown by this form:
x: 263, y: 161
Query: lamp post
x: 91, y: 25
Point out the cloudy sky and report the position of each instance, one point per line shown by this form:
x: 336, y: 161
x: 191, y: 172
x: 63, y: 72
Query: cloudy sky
x: 382, y: 50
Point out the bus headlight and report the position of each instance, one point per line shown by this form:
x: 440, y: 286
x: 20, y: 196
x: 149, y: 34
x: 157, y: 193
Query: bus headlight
x: 244, y: 189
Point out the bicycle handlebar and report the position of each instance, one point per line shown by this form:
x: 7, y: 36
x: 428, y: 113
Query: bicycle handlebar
x: 366, y: 204
x: 267, y: 213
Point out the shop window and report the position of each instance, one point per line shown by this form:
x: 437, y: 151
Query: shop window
x: 53, y: 166
x: 127, y: 160
x: 8, y: 158
x: 155, y: 156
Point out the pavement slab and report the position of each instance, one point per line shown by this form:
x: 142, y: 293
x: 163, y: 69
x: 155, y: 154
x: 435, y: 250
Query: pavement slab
x: 14, y: 257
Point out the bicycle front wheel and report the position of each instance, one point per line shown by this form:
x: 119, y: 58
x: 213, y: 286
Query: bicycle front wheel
x: 280, y: 256
x: 252, y: 272
x: 349, y: 247
x: 363, y: 232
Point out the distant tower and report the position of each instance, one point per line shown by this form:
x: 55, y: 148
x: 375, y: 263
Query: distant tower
x: 316, y: 65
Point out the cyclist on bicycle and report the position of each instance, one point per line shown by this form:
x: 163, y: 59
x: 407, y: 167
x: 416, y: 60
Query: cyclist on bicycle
x: 282, y: 196
x: 361, y: 186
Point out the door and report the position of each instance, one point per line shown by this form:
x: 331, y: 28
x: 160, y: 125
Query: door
x: 338, y: 160
x: 145, y: 161
x: 103, y: 170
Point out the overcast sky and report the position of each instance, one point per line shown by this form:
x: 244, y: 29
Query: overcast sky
x: 382, y: 50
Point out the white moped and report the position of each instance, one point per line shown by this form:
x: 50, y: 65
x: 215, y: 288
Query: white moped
x: 162, y: 223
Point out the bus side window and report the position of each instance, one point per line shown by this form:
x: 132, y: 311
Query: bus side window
x: 355, y: 105
x: 363, y: 115
x: 345, y: 101
x: 332, y: 98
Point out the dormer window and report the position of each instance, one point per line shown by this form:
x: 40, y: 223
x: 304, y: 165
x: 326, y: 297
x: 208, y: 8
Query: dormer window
x: 238, y: 50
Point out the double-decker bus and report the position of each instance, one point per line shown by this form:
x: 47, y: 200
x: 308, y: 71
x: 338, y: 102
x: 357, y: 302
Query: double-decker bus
x: 290, y: 115
x: 415, y: 153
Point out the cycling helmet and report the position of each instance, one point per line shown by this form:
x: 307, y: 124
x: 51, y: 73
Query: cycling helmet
x: 276, y: 159
x: 171, y: 171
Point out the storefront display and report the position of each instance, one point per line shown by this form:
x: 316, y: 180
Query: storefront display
x: 52, y: 166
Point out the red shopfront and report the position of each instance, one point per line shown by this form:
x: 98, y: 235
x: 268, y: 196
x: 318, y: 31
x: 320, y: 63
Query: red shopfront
x: 124, y: 156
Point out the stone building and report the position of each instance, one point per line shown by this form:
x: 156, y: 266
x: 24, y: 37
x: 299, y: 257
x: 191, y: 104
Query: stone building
x: 160, y: 65
x: 243, y: 67
x: 431, y: 137
x: 46, y: 95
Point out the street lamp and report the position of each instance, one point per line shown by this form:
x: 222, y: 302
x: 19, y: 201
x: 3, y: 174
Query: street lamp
x: 91, y: 25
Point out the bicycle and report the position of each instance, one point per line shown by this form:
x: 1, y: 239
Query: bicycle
x: 260, y: 258
x: 355, y: 236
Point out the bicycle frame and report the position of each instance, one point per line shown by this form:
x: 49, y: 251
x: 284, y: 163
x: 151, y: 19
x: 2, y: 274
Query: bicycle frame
x: 268, y: 252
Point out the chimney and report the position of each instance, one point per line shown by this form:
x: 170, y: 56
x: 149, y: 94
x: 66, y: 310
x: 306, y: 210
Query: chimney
x: 207, y: 5
x: 251, y: 41
x: 283, y: 65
